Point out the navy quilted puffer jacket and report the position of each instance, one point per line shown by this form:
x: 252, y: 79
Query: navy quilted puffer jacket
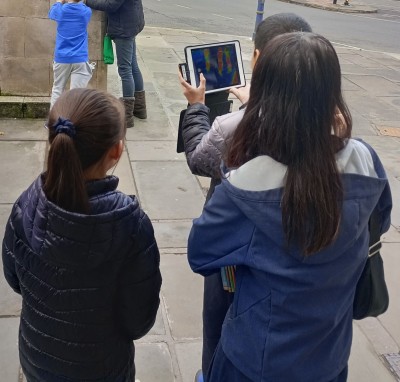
x: 89, y: 283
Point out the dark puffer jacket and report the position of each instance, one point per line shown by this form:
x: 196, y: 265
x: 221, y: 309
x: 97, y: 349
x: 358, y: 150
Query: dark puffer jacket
x: 90, y: 284
x: 125, y: 17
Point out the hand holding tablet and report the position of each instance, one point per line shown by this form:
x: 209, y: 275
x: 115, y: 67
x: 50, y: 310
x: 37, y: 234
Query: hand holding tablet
x: 220, y: 63
x: 193, y: 94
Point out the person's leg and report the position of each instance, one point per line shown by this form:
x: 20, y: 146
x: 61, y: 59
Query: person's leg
x: 124, y: 51
x: 216, y: 303
x: 81, y: 74
x: 61, y: 73
x: 140, y: 110
x: 136, y: 73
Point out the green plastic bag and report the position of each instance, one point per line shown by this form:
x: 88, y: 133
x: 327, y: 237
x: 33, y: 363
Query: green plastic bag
x: 108, y: 53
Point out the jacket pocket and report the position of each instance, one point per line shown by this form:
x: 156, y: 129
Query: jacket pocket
x: 244, y: 337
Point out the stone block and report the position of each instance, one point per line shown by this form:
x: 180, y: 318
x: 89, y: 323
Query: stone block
x: 11, y: 109
x: 100, y: 77
x: 40, y: 35
x: 26, y: 33
x: 12, y: 37
x: 97, y: 16
x: 37, y: 8
x: 36, y: 109
x: 25, y: 77
x: 11, y: 8
x: 96, y: 33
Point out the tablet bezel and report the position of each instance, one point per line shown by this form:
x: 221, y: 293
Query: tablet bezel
x: 189, y: 60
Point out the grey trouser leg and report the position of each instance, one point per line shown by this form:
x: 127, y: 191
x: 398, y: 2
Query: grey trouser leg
x: 80, y: 75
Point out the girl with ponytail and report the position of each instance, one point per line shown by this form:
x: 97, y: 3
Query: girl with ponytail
x: 82, y: 254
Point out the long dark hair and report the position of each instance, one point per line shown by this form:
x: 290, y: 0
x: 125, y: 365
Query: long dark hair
x: 98, y: 119
x: 292, y: 116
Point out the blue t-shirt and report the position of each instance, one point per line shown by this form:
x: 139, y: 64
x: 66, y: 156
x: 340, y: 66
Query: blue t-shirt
x: 72, y: 37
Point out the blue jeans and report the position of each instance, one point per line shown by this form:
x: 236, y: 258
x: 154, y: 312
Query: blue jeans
x: 128, y: 68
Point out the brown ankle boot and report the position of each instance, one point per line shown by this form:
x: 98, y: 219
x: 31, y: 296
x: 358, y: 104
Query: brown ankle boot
x: 129, y: 103
x: 140, y: 105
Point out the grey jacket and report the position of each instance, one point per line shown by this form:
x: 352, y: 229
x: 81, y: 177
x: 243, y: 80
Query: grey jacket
x: 125, y: 17
x: 205, y: 145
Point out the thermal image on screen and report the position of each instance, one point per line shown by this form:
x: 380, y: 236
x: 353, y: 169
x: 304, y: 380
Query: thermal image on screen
x: 218, y: 64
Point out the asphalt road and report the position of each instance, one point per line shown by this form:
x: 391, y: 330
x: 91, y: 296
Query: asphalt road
x: 378, y: 31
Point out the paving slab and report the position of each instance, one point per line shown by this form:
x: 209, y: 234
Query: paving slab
x: 388, y: 149
x: 156, y: 41
x: 364, y: 363
x: 371, y: 107
x: 123, y: 171
x: 183, y: 295
x: 27, y: 159
x: 9, y: 358
x: 10, y: 302
x: 156, y: 127
x: 376, y: 85
x: 158, y: 329
x: 167, y: 190
x: 361, y: 125
x: 153, y: 363
x: 172, y: 233
x: 23, y: 130
x: 390, y: 320
x: 189, y: 359
x: 164, y: 55
x: 154, y: 151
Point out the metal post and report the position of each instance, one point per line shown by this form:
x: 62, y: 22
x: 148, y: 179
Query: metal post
x: 259, y: 15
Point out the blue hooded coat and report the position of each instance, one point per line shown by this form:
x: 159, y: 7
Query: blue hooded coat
x: 291, y: 318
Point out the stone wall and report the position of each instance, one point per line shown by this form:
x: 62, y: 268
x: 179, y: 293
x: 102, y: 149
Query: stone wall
x: 27, y: 40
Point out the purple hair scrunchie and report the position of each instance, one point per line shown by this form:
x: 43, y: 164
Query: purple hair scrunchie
x: 65, y: 126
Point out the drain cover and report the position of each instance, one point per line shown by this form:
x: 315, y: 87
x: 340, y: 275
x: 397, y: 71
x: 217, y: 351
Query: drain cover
x: 393, y: 360
x: 389, y: 131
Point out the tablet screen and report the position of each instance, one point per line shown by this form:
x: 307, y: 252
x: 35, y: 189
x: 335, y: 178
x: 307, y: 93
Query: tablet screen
x: 219, y: 64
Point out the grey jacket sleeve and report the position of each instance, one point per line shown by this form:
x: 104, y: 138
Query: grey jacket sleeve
x: 205, y: 145
x: 105, y: 5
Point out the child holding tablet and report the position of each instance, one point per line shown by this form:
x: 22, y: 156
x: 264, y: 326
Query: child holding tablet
x: 205, y: 146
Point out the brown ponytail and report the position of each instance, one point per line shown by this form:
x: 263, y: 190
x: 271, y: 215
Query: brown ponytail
x: 97, y: 119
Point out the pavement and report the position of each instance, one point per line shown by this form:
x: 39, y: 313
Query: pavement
x: 340, y: 6
x: 172, y: 197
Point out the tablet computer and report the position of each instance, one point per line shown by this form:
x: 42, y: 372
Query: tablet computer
x: 221, y: 64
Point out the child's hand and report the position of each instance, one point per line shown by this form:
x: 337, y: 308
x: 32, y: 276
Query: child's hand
x: 242, y: 94
x: 192, y: 94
